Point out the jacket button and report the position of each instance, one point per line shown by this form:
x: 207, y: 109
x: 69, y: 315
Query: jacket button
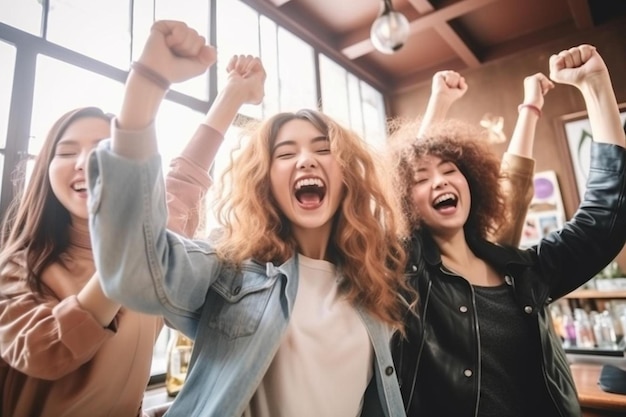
x: 468, y: 373
x: 413, y: 268
x: 508, y: 280
x: 463, y: 309
x: 237, y: 290
x: 528, y: 309
x: 389, y: 370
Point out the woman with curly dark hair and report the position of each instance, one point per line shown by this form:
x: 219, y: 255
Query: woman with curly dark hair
x: 480, y: 341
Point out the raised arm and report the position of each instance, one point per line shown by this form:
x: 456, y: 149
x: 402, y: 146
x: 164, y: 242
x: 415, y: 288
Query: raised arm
x: 517, y: 164
x: 446, y: 88
x: 585, y: 69
x: 594, y: 236
x: 188, y: 178
x: 173, y: 53
x: 142, y: 264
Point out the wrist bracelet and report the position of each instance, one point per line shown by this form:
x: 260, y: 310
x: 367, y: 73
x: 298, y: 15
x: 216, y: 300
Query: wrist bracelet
x: 151, y: 75
x: 532, y: 107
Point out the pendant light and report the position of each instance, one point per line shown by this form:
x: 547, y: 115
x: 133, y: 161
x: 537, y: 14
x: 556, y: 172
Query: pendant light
x: 390, y: 30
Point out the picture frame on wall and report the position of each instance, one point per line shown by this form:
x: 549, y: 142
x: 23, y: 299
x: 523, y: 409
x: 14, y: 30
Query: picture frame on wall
x: 578, y: 135
x: 546, y: 212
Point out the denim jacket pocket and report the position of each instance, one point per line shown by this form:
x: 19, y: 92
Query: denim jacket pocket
x: 238, y: 302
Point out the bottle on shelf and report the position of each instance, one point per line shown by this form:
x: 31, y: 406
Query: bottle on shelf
x: 178, y: 356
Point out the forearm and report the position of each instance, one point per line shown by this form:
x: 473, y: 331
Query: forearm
x: 523, y: 138
x: 436, y: 111
x: 93, y: 299
x: 603, y: 110
x: 140, y: 105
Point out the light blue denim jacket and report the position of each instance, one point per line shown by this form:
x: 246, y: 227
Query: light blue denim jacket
x: 237, y: 318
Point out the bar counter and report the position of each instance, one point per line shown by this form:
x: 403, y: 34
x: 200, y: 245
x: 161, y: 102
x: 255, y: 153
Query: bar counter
x: 594, y: 401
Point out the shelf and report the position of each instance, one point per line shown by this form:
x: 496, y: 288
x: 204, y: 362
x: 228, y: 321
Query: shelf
x: 613, y: 295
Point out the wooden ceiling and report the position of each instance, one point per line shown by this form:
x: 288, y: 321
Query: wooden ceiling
x: 452, y: 34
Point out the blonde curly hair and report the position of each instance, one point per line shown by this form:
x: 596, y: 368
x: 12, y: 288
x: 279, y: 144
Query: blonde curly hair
x: 363, y: 242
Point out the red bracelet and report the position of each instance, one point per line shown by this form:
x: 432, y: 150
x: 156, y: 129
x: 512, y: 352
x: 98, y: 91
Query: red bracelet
x: 151, y: 75
x: 532, y: 107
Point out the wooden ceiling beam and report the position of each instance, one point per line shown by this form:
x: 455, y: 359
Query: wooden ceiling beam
x: 358, y: 44
x: 581, y: 13
x: 448, y: 35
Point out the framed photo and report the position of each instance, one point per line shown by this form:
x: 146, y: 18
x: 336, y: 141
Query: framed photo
x: 546, y: 212
x: 578, y: 135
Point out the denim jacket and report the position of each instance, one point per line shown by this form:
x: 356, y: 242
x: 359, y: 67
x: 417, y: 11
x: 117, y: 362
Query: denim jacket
x: 236, y: 317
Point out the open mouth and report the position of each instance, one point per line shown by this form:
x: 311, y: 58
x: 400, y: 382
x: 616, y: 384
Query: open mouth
x: 310, y: 192
x: 445, y: 201
x: 79, y: 186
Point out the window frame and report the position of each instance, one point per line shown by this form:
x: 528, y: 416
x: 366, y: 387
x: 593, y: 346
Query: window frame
x: 29, y: 46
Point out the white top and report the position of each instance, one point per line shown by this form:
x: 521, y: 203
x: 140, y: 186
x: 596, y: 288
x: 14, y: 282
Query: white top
x: 324, y: 362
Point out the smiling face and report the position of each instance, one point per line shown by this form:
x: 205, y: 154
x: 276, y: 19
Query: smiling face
x: 306, y: 179
x: 441, y: 195
x: 67, y: 167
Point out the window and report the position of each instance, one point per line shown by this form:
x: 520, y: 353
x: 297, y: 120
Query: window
x: 352, y: 102
x: 99, y: 29
x: 7, y: 56
x: 23, y: 15
x: 79, y: 55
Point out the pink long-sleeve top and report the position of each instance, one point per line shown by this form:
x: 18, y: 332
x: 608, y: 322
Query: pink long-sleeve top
x: 55, y: 358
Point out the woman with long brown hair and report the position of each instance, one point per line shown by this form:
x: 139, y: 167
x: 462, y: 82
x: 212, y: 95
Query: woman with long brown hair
x: 66, y: 349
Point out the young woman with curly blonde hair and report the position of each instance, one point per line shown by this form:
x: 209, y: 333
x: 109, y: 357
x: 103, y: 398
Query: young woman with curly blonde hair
x: 293, y: 303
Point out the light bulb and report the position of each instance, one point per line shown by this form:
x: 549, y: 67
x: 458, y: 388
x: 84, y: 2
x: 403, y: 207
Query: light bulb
x: 389, y: 31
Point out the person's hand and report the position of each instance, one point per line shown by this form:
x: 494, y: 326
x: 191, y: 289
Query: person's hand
x: 176, y: 51
x: 448, y: 85
x: 247, y: 73
x: 576, y: 66
x: 535, y: 87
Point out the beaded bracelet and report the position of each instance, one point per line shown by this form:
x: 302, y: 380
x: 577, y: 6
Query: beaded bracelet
x: 151, y: 75
x: 532, y: 107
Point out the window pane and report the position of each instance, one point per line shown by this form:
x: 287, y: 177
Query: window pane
x: 269, y: 52
x: 374, y: 116
x: 334, y: 90
x: 233, y: 14
x: 297, y: 73
x: 7, y: 57
x: 24, y: 15
x: 159, y: 358
x: 61, y: 87
x: 143, y: 17
x: 99, y: 29
x: 356, y: 109
x: 175, y: 124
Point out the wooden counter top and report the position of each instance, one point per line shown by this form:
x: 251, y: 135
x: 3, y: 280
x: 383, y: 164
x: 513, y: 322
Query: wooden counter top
x: 586, y: 377
x: 590, y: 394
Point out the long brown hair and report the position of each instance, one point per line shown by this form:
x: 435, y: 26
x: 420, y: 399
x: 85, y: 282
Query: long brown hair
x: 35, y: 229
x: 363, y: 242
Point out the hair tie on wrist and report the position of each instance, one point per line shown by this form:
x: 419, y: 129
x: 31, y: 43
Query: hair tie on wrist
x: 532, y: 107
x: 151, y: 75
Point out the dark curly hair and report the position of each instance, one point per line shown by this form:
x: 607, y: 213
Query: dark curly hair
x: 462, y: 144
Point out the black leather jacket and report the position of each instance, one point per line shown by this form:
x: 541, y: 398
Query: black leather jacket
x: 439, y: 361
